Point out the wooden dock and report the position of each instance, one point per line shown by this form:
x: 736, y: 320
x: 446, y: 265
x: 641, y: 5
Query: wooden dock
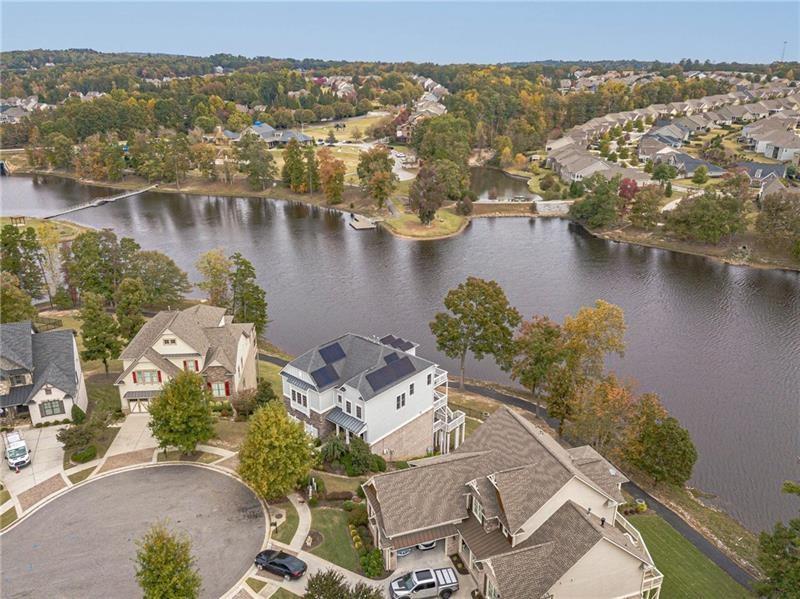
x: 101, y: 201
x: 362, y: 223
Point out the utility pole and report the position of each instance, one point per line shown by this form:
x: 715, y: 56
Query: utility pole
x: 783, y: 52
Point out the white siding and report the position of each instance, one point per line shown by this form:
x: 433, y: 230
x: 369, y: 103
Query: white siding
x: 55, y: 395
x: 381, y: 413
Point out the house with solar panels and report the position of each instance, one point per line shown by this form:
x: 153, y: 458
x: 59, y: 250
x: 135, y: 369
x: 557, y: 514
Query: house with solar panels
x: 376, y: 389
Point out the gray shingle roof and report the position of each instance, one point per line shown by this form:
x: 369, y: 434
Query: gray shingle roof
x: 358, y: 368
x: 49, y: 356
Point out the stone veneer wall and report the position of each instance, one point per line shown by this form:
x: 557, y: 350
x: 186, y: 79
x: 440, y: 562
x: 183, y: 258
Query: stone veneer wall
x: 324, y: 427
x: 411, y: 441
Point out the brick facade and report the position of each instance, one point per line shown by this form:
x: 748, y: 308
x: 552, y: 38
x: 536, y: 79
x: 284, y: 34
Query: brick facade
x: 413, y: 440
x: 318, y: 421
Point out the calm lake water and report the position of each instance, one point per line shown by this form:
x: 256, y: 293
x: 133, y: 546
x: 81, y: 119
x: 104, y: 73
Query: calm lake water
x: 720, y: 344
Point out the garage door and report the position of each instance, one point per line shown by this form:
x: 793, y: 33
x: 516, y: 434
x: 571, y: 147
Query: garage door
x: 138, y: 405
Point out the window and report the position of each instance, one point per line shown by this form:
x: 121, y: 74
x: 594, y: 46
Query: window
x: 146, y: 377
x: 218, y: 389
x: 425, y: 586
x: 477, y: 509
x: 430, y: 378
x: 299, y: 398
x: 411, y: 389
x: 358, y: 412
x: 51, y: 408
x: 339, y: 399
x: 170, y: 341
x: 491, y: 592
x: 349, y: 407
x: 18, y: 379
x: 401, y: 401
x: 190, y: 365
x: 48, y: 391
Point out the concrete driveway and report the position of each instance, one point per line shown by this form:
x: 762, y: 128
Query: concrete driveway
x: 434, y: 558
x: 82, y: 544
x: 47, y: 456
x: 134, y: 434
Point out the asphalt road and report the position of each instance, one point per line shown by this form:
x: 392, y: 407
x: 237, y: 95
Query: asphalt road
x: 83, y: 543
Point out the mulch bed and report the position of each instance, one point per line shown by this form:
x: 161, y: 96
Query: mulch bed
x: 316, y: 540
x: 142, y: 456
x: 38, y: 492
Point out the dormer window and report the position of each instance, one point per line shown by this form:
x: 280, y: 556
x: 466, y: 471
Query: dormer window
x: 170, y: 341
x: 17, y: 379
x: 48, y: 391
x: 477, y: 510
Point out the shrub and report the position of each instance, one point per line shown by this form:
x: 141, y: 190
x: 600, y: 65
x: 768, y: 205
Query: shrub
x: 63, y: 300
x: 402, y: 464
x: 348, y: 506
x: 546, y: 182
x: 464, y: 207
x: 314, y: 501
x: 372, y: 563
x: 333, y: 449
x: 378, y: 463
x: 85, y: 455
x: 360, y: 492
x: 338, y: 495
x: 358, y: 516
x: 38, y: 425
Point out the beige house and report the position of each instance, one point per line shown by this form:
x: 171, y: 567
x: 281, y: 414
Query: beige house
x: 40, y: 373
x: 529, y: 518
x: 200, y: 339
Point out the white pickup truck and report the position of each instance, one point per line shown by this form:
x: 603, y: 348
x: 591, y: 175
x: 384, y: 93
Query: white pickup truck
x: 16, y: 453
x: 433, y: 582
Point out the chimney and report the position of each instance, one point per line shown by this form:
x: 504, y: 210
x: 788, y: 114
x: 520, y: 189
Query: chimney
x: 602, y: 521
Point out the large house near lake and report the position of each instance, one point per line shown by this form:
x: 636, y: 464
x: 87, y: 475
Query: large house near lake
x: 376, y: 389
x: 200, y: 339
x: 40, y: 373
x: 529, y: 518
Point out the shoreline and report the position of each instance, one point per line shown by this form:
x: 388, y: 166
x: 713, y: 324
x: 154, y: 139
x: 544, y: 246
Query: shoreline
x: 278, y: 193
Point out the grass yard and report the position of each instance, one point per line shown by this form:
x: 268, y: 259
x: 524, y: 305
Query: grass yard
x: 8, y: 517
x: 103, y: 395
x: 201, y: 457
x: 284, y: 594
x: 445, y: 223
x: 228, y: 434
x: 4, y: 495
x: 362, y: 123
x: 338, y: 484
x: 256, y: 584
x: 688, y: 574
x: 287, y: 529
x: 81, y: 475
x: 336, y: 547
x: 66, y: 230
x: 70, y: 320
x: 272, y: 373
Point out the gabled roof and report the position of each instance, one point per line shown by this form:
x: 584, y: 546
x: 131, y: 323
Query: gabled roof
x: 16, y: 350
x: 363, y: 363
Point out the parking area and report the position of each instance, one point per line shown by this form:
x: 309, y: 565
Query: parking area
x: 83, y: 543
x: 47, y: 456
x: 433, y: 558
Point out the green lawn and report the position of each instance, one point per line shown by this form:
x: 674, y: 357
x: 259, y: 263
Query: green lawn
x: 229, y: 434
x: 256, y: 584
x: 8, y: 517
x: 688, y: 574
x: 103, y: 395
x: 81, y: 475
x: 287, y: 529
x: 445, y: 223
x: 272, y: 373
x: 336, y: 547
x: 173, y: 455
x: 284, y: 594
x: 339, y: 484
x: 4, y: 495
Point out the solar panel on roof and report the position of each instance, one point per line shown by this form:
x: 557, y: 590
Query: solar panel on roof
x: 390, y: 373
x: 390, y: 358
x: 324, y: 376
x: 331, y: 353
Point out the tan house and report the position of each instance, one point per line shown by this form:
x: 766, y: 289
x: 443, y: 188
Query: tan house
x: 529, y: 518
x: 199, y: 339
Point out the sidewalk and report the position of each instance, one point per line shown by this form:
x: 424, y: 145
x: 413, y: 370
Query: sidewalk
x: 304, y: 524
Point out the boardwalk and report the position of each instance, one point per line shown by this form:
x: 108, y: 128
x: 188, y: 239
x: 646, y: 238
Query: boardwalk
x: 101, y: 201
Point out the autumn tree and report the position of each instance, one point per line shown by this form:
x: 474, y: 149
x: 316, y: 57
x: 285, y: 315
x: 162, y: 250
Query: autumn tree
x: 21, y: 255
x: 100, y: 331
x: 428, y: 192
x: 164, y: 282
x: 708, y: 217
x: 479, y: 319
x: 599, y: 207
x: 375, y: 173
x: 165, y: 566
x: 331, y: 172
x: 180, y: 415
x: 216, y: 269
x: 601, y: 414
x: 538, y: 347
x: 778, y: 222
x: 130, y: 298
x: 276, y: 453
x: 312, y: 182
x: 15, y: 304
x: 700, y: 175
x: 646, y: 208
x: 591, y: 335
x: 50, y: 241
x: 667, y: 453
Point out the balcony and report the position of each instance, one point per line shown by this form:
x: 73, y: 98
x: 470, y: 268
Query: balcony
x: 439, y: 377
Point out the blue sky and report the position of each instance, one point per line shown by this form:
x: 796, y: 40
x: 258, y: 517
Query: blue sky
x: 443, y: 32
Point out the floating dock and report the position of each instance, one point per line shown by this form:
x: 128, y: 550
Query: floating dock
x: 361, y: 223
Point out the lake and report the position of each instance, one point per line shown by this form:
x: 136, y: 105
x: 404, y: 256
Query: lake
x: 719, y: 343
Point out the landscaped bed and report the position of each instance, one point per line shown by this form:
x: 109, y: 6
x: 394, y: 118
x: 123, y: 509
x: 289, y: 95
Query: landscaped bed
x: 8, y: 517
x: 81, y: 475
x: 687, y: 572
x: 173, y: 455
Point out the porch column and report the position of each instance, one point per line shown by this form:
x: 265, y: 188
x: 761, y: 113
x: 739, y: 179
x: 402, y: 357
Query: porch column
x: 458, y: 435
x: 347, y: 436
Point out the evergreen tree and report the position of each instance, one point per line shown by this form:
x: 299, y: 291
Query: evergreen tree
x: 256, y: 161
x: 248, y: 299
x: 21, y: 255
x: 100, y: 331
x: 130, y: 298
x: 216, y: 270
x: 428, y: 192
x: 293, y: 172
x: 15, y: 304
x: 312, y: 183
